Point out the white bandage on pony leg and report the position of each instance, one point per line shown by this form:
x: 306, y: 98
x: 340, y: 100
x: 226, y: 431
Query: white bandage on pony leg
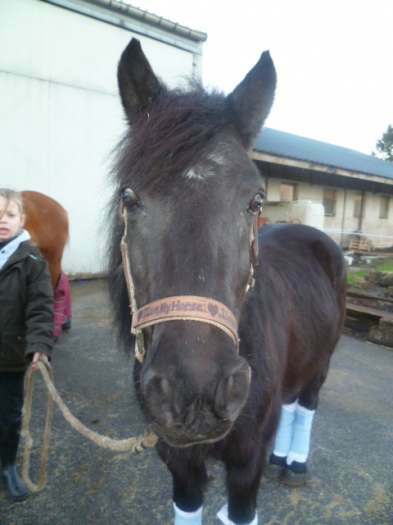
x: 283, y: 440
x: 300, y: 445
x: 188, y: 518
x: 222, y: 515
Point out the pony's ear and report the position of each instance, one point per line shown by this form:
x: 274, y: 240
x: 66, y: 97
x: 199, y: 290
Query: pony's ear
x: 251, y: 100
x: 138, y: 85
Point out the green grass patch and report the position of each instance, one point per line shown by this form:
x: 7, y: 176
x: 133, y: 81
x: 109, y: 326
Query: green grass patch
x: 356, y: 278
x: 385, y: 266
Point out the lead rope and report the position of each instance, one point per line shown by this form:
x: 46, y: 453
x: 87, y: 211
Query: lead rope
x: 27, y: 435
x: 133, y: 444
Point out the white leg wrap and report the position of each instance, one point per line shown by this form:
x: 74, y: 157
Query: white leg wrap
x: 187, y: 518
x: 282, y: 443
x: 300, y: 445
x: 222, y: 515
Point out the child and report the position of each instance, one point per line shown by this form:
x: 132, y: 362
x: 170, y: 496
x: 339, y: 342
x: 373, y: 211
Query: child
x: 26, y: 327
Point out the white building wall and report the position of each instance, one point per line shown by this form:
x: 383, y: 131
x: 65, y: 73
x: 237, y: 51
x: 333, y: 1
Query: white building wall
x: 60, y: 115
x: 273, y: 190
x: 379, y: 231
x: 344, y: 224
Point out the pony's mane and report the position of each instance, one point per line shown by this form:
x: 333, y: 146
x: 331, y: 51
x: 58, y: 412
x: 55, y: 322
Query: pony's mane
x: 170, y: 138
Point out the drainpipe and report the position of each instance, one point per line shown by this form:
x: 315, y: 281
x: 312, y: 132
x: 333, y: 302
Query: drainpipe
x: 361, y: 215
x: 266, y: 188
x: 343, y: 219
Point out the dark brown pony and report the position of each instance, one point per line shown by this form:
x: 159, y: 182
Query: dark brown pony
x: 190, y: 196
x: 47, y: 223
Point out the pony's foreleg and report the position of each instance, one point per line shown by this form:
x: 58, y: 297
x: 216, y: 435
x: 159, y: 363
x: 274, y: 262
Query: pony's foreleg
x: 189, y: 480
x: 244, y: 470
x: 187, y: 518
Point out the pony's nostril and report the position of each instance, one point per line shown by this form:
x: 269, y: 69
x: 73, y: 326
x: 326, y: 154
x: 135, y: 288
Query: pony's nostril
x: 165, y: 386
x: 156, y: 384
x: 159, y: 394
x: 232, y: 392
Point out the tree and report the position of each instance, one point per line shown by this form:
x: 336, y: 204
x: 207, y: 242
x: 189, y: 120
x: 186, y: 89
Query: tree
x: 385, y: 145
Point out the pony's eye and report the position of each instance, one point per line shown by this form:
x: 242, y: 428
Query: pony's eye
x: 257, y: 203
x: 129, y: 197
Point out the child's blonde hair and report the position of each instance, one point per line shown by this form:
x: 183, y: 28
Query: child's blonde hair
x: 14, y: 196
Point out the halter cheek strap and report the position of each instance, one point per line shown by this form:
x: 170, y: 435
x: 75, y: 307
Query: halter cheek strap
x: 139, y: 342
x: 181, y: 307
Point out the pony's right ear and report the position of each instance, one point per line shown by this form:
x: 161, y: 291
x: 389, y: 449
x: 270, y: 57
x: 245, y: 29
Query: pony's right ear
x: 252, y: 99
x: 138, y: 85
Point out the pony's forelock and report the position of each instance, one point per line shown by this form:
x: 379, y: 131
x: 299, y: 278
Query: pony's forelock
x: 170, y: 138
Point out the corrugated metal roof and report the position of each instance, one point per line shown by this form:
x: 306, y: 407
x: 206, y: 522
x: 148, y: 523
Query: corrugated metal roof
x: 293, y: 146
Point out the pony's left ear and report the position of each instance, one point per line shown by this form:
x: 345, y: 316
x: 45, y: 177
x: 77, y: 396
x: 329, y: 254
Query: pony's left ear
x: 251, y: 100
x: 138, y: 85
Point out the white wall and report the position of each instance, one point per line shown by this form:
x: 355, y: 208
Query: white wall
x: 60, y: 114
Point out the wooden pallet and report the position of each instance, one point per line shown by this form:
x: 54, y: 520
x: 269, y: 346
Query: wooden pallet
x: 368, y: 311
x: 360, y: 245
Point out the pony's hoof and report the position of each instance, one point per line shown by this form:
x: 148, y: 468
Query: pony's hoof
x: 295, y: 475
x: 274, y: 472
x: 15, y: 486
x: 275, y: 469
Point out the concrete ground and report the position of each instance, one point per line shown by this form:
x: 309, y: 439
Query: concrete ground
x: 351, y: 457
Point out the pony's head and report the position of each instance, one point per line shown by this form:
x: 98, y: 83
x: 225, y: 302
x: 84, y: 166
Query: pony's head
x: 189, y: 196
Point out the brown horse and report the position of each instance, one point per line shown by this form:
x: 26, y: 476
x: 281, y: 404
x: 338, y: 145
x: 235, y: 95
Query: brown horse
x: 47, y: 223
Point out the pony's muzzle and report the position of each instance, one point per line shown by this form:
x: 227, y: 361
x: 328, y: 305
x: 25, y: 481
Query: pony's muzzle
x: 192, y: 410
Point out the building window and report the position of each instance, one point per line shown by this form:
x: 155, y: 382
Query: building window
x: 329, y: 202
x: 357, y: 206
x: 384, y: 207
x: 288, y: 192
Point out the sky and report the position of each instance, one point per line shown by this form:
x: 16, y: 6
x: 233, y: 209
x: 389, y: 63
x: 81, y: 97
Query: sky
x: 334, y: 60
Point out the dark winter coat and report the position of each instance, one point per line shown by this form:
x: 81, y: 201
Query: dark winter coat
x: 26, y: 308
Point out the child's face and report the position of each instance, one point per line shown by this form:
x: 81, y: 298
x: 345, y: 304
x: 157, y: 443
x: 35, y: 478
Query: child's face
x: 11, y: 219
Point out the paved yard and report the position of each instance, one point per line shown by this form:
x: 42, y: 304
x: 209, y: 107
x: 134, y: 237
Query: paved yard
x: 351, y: 458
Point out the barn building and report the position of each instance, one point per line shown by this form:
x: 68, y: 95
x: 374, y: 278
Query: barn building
x: 354, y: 190
x: 61, y: 115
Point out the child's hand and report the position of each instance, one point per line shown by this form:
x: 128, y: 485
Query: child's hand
x: 38, y: 356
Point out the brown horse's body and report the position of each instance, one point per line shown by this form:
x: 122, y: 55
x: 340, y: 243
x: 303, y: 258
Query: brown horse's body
x: 47, y: 223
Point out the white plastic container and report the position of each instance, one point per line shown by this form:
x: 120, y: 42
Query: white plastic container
x: 295, y: 212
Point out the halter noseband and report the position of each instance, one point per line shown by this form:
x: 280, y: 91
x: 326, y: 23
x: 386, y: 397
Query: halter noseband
x: 180, y: 307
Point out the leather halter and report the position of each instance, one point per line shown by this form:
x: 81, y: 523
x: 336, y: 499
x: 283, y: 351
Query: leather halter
x: 180, y: 307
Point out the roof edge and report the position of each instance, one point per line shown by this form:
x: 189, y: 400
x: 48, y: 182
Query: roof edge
x: 294, y: 162
x: 297, y: 148
x: 122, y: 8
